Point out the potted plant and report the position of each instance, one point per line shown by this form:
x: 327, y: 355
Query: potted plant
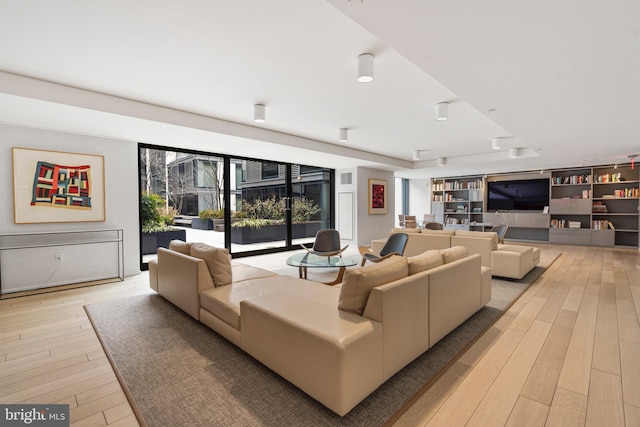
x: 157, y: 221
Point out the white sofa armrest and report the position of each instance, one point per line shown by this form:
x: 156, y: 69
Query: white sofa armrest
x: 333, y: 356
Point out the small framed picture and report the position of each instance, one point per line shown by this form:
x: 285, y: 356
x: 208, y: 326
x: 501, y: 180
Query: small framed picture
x: 377, y: 197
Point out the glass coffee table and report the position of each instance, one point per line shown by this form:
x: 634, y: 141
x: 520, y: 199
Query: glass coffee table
x: 307, y: 260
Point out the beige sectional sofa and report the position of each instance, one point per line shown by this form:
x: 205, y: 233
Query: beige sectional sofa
x: 511, y: 261
x: 336, y: 343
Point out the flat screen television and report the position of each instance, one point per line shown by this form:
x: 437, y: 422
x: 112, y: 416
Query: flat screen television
x: 518, y: 195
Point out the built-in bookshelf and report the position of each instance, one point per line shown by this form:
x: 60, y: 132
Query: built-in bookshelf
x: 458, y: 202
x: 597, y: 205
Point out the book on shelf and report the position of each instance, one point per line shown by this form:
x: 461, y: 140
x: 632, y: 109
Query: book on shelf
x: 602, y: 224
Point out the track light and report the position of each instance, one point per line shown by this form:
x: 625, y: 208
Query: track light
x: 259, y: 115
x: 365, y: 68
x: 416, y: 154
x: 442, y: 111
x: 495, y: 143
x: 441, y: 161
x: 513, y: 153
x: 344, y: 135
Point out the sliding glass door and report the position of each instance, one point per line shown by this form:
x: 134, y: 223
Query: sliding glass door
x: 249, y: 206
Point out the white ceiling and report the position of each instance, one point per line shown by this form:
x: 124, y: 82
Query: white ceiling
x: 559, y: 79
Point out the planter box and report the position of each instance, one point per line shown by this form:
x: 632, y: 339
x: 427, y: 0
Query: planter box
x: 202, y: 224
x: 152, y: 241
x: 246, y: 235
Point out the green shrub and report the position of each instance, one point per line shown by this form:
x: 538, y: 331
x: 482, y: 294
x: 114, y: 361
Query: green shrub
x: 211, y: 214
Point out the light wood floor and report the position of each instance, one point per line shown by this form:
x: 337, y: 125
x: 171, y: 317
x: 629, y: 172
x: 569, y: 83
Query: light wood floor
x: 566, y: 353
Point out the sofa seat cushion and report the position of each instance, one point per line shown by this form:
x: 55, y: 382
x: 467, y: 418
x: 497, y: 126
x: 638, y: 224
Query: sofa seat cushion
x: 358, y: 282
x: 242, y: 272
x: 425, y: 261
x: 224, y: 301
x: 218, y: 261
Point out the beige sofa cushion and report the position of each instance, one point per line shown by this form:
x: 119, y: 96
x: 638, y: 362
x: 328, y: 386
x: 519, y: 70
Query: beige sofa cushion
x: 180, y: 246
x: 484, y: 234
x: 358, y: 282
x: 442, y: 232
x: 405, y: 230
x: 218, y: 261
x: 454, y: 253
x: 425, y: 261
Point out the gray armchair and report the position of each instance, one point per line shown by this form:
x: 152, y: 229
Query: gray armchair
x: 327, y: 243
x: 395, y: 246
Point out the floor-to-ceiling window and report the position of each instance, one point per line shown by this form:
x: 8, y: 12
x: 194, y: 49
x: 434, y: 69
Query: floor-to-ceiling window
x: 248, y: 205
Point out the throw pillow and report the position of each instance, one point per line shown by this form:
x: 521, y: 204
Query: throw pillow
x: 358, y: 282
x: 180, y: 246
x: 453, y: 253
x: 218, y: 261
x: 425, y: 261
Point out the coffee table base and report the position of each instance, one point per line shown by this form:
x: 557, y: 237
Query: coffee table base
x: 302, y: 272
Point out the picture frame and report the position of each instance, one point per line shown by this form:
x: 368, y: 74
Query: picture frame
x: 55, y: 186
x: 378, y: 197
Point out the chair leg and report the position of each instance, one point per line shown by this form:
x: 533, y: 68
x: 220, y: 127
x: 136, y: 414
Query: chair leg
x: 363, y: 261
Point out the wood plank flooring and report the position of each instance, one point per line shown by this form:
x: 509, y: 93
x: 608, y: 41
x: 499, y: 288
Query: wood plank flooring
x: 566, y: 353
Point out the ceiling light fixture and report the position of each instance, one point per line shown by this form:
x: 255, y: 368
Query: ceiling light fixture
x: 495, y: 143
x: 344, y: 135
x: 442, y: 111
x: 259, y: 115
x: 513, y: 153
x: 441, y: 161
x: 416, y: 154
x: 365, y: 68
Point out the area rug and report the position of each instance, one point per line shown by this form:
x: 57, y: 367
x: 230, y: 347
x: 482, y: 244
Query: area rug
x: 178, y: 372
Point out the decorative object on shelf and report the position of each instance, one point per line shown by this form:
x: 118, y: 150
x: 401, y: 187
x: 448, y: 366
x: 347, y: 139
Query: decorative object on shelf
x: 377, y: 203
x: 54, y: 186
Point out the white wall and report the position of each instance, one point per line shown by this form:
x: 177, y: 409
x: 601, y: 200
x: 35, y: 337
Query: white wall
x: 366, y: 227
x: 121, y: 184
x: 419, y: 197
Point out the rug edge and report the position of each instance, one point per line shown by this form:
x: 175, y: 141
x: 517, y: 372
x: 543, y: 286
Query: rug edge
x: 127, y: 393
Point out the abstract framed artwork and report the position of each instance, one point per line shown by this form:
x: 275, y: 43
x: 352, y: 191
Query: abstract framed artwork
x: 377, y: 196
x: 54, y: 186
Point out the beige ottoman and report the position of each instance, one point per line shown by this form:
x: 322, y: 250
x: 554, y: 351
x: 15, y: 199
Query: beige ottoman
x: 513, y: 261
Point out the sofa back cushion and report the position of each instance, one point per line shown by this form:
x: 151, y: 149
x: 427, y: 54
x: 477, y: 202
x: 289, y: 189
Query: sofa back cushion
x: 425, y: 261
x: 404, y: 230
x: 358, y: 282
x: 484, y: 234
x: 442, y: 232
x: 454, y: 253
x: 218, y: 261
x: 180, y: 246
